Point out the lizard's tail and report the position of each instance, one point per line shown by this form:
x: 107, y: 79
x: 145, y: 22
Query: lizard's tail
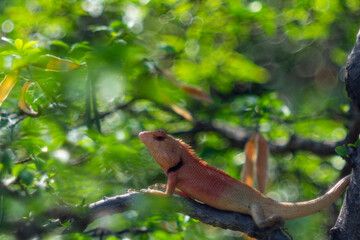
x: 289, y: 210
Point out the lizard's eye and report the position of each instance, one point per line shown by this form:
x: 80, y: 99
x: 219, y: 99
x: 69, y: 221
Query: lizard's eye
x: 159, y: 138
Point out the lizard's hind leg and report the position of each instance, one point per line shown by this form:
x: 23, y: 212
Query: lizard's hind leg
x: 257, y: 213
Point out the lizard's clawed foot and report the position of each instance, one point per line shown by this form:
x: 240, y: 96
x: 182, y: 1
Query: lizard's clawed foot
x: 285, y: 230
x: 145, y: 190
x: 277, y: 224
x: 158, y: 186
x: 273, y: 222
x: 131, y: 190
x: 151, y: 191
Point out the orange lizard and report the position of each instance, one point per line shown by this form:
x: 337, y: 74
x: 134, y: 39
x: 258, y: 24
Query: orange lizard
x: 198, y: 180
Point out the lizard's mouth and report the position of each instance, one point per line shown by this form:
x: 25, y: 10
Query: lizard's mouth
x: 142, y: 136
x: 149, y: 136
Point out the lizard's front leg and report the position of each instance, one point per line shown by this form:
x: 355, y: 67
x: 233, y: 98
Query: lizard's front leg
x: 170, y: 187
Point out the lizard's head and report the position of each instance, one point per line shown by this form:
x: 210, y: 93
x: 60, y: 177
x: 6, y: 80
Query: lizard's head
x: 165, y: 149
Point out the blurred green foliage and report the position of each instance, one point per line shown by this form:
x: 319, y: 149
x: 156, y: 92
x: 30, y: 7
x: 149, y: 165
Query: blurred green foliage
x: 96, y: 68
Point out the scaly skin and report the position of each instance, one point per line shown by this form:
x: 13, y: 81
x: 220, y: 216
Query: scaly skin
x: 198, y: 180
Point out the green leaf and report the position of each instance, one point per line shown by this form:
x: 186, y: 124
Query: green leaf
x: 24, y: 105
x: 116, y: 25
x: 76, y: 236
x: 66, y: 224
x: 19, y: 43
x: 60, y: 44
x: 16, y: 170
x: 39, y: 163
x: 80, y: 46
x: 101, y: 28
x: 79, y: 50
x: 341, y: 151
x: 112, y: 238
x: 356, y: 144
x: 26, y: 176
x: 30, y: 44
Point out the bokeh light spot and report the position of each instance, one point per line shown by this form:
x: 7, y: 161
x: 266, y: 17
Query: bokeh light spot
x: 255, y: 6
x: 62, y: 155
x: 7, y: 26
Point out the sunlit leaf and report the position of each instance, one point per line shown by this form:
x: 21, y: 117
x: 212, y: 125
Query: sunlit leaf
x: 116, y: 24
x: 16, y: 170
x: 80, y: 46
x: 8, y: 52
x: 31, y: 57
x: 23, y: 104
x: 60, y: 44
x: 19, y: 43
x: 7, y: 84
x: 33, y: 51
x: 29, y: 44
x: 182, y: 112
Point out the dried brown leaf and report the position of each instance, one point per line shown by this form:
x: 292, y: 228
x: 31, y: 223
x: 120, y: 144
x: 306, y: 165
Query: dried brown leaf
x: 56, y: 64
x: 59, y: 64
x: 197, y: 93
x: 7, y: 84
x: 182, y: 112
x: 257, y: 157
x: 23, y: 104
x: 262, y: 160
x: 169, y: 76
x: 248, y: 168
x: 194, y: 92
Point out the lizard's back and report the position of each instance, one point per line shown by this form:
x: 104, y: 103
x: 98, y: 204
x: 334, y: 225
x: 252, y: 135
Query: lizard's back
x: 216, y: 188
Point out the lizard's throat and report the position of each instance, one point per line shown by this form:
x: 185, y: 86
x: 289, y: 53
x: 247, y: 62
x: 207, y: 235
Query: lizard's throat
x: 176, y: 167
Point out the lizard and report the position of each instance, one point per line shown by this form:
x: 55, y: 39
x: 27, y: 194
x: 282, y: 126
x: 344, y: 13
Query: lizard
x: 198, y: 180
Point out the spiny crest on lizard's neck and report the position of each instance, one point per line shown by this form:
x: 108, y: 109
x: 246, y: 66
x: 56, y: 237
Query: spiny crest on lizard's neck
x: 189, y: 149
x: 194, y: 156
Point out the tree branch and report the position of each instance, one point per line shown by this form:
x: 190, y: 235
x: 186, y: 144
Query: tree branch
x: 81, y: 218
x: 204, y: 213
x: 352, y: 73
x: 347, y: 225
